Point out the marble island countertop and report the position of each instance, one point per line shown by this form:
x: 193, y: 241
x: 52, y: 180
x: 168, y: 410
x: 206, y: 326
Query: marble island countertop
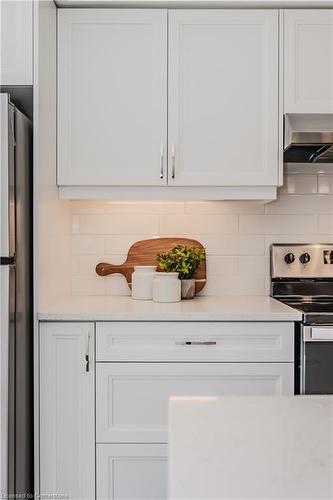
x: 265, y: 447
x: 223, y: 308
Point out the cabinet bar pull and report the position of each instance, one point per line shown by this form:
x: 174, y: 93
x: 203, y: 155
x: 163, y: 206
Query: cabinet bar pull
x: 173, y: 158
x: 197, y: 342
x: 87, y: 360
x: 161, y: 162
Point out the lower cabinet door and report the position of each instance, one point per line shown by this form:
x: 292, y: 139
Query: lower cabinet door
x: 132, y: 471
x: 67, y: 423
x: 132, y: 398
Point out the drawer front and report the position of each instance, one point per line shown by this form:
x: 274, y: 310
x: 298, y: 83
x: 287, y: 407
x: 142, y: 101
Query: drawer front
x: 132, y: 398
x: 132, y: 472
x: 195, y: 341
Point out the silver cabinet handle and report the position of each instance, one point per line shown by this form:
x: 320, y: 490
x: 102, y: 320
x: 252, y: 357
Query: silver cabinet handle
x: 173, y: 161
x: 162, y: 162
x: 87, y: 360
x: 197, y: 342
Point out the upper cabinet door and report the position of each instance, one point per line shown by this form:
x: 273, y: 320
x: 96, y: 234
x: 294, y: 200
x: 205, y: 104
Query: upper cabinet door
x: 112, y: 97
x: 16, y: 42
x: 223, y: 97
x: 308, y: 58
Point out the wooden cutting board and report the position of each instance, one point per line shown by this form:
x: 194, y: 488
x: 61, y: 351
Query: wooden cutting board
x: 143, y: 253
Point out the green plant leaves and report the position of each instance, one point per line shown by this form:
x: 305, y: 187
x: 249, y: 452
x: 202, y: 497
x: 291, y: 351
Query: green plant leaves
x: 181, y: 259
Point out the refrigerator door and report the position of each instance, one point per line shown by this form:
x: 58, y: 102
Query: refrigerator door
x: 16, y: 318
x: 7, y: 275
x: 22, y: 382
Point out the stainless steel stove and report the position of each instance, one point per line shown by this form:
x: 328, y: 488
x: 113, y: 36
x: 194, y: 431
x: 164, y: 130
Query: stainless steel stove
x: 302, y: 277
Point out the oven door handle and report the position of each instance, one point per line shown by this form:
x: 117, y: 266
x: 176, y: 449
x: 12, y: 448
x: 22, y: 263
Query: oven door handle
x: 318, y: 333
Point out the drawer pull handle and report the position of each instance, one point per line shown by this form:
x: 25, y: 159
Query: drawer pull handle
x: 197, y: 342
x: 87, y: 360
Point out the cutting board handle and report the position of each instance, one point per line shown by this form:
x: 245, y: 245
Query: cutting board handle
x: 104, y: 269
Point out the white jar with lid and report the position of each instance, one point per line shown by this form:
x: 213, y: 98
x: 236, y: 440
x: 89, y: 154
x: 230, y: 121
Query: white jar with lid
x: 142, y: 282
x: 166, y: 287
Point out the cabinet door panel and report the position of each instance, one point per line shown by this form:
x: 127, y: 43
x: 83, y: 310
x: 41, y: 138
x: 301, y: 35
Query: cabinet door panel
x: 223, y: 97
x: 132, y: 398
x: 112, y: 97
x: 16, y: 42
x: 308, y: 57
x: 131, y: 472
x: 67, y: 426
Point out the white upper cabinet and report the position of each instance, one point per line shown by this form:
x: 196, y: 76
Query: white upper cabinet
x: 112, y: 97
x: 16, y: 42
x: 308, y: 61
x: 195, y: 104
x: 223, y: 97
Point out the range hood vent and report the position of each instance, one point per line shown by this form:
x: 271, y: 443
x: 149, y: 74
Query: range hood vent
x: 308, y: 138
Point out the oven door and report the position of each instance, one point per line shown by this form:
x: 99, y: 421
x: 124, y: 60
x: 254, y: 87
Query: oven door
x: 317, y: 360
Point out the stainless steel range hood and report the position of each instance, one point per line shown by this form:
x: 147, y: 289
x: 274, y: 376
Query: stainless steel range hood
x: 308, y: 138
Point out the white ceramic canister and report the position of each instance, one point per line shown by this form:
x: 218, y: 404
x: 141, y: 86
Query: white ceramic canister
x: 142, y: 282
x: 166, y: 287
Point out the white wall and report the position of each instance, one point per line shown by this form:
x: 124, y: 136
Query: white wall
x: 236, y: 235
x: 52, y: 217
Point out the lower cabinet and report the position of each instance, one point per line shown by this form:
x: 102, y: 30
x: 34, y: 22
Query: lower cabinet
x: 132, y: 471
x: 67, y: 411
x: 111, y: 416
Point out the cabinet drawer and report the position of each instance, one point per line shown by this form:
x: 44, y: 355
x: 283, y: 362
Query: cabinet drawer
x: 132, y: 472
x: 132, y: 398
x: 195, y: 341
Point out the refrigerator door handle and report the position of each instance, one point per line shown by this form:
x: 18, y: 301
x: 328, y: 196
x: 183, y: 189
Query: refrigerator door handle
x: 7, y: 261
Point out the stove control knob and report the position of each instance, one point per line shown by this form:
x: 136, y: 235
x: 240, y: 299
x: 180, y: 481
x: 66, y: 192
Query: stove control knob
x: 304, y: 258
x: 289, y: 258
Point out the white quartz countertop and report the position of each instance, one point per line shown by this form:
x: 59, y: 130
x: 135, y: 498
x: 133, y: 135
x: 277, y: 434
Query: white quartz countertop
x: 226, y: 308
x: 251, y: 448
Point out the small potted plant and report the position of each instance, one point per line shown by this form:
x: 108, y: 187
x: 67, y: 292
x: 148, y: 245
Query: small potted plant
x: 184, y: 260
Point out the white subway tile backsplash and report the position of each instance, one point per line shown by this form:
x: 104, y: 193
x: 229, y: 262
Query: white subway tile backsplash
x: 152, y: 207
x: 220, y: 265
x: 253, y: 265
x: 275, y: 224
x: 236, y: 235
x: 120, y: 243
x: 325, y: 224
x: 199, y: 223
x: 299, y: 184
x: 235, y: 285
x: 232, y: 244
x: 88, y: 285
x: 88, y: 207
x: 75, y: 265
x: 325, y: 184
x: 118, y: 224
x: 224, y: 207
x: 91, y: 244
x: 75, y: 224
x: 301, y: 204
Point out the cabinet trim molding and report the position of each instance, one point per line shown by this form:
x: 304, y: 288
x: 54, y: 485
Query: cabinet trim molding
x: 262, y: 193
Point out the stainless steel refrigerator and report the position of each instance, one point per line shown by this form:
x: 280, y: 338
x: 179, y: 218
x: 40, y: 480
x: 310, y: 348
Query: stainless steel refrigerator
x: 16, y: 302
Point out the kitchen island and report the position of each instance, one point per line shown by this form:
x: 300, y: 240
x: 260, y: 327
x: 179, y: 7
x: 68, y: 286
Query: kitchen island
x: 263, y: 448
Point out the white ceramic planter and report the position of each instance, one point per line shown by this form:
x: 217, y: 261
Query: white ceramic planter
x: 166, y: 287
x: 188, y: 288
x: 142, y: 282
